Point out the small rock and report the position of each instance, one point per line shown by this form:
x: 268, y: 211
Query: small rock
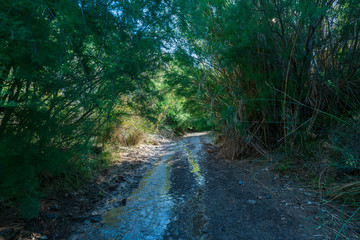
x: 25, y: 233
x: 309, y: 202
x: 210, y: 150
x: 119, y: 179
x: 55, y: 207
x: 96, y: 219
x: 266, y: 169
x: 286, y: 204
x: 123, y: 202
x: 268, y: 197
x: 252, y: 202
x: 52, y: 215
x: 112, y: 187
x: 241, y: 182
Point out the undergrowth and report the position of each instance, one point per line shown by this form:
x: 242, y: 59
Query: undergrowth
x: 330, y: 164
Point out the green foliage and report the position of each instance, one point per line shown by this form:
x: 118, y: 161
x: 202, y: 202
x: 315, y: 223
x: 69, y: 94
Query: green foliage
x: 22, y: 164
x: 64, y: 68
x: 264, y: 73
x: 263, y: 67
x: 343, y: 143
x: 285, y: 166
x: 277, y: 75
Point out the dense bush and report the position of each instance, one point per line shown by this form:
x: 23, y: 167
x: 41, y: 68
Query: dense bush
x: 278, y: 76
x: 64, y: 67
x: 271, y: 72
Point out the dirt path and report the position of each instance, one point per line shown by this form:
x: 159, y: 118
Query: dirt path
x: 190, y: 194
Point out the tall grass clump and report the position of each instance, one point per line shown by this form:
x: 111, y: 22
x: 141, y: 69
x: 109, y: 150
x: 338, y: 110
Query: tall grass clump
x: 279, y: 76
x: 131, y: 131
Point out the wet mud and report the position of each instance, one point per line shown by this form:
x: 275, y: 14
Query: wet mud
x: 191, y: 194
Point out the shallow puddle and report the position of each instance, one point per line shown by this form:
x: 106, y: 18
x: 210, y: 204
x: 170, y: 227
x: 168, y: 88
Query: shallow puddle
x: 148, y: 209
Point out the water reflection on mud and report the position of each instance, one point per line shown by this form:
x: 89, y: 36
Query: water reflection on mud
x: 195, y: 168
x: 151, y: 207
x: 199, y: 222
x: 148, y: 209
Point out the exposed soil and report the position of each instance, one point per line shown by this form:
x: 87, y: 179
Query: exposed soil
x: 243, y: 200
x: 181, y: 190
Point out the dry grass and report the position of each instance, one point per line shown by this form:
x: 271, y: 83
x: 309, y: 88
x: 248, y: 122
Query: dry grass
x: 346, y: 191
x: 132, y: 131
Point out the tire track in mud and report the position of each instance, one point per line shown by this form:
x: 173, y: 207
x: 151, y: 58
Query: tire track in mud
x: 188, y: 187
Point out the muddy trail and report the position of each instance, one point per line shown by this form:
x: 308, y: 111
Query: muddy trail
x: 188, y: 193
